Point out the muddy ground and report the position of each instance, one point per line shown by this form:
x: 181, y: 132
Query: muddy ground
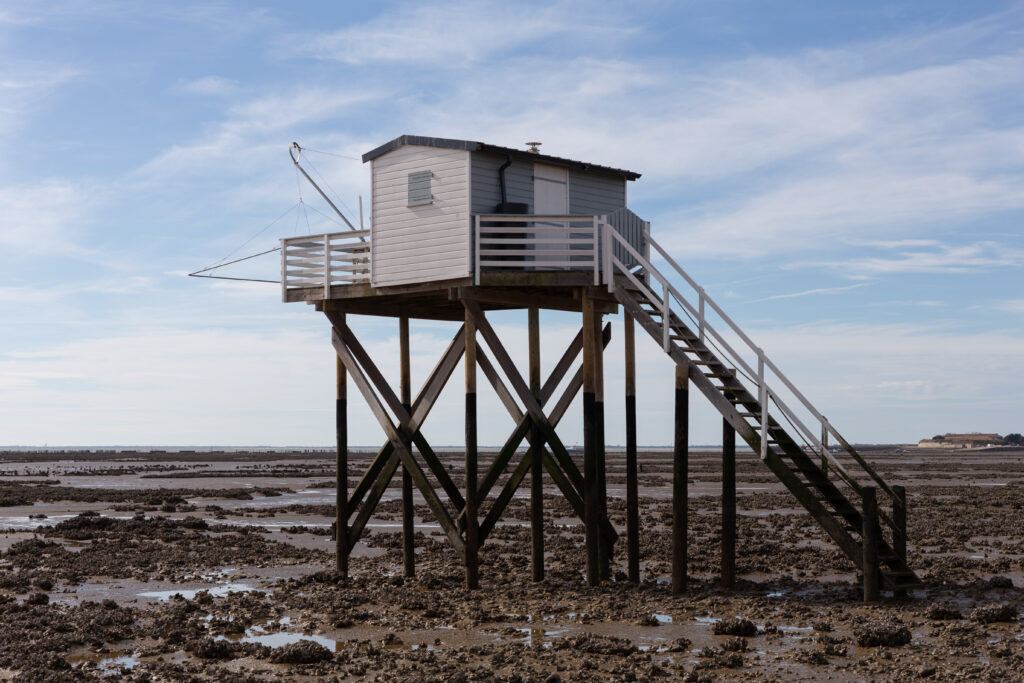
x: 153, y: 567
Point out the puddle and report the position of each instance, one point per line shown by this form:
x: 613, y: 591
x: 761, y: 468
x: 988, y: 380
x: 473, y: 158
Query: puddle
x: 264, y: 634
x: 107, y: 663
x: 190, y: 594
x: 540, y: 636
x: 662, y: 618
x: 776, y: 594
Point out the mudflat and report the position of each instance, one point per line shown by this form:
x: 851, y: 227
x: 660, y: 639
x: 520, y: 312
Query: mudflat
x: 219, y: 566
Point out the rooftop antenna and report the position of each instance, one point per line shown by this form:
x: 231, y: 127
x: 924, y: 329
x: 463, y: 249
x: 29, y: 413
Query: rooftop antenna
x: 295, y: 160
x: 534, y: 147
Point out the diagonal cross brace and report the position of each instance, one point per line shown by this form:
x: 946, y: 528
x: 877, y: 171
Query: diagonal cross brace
x: 425, y: 400
x: 536, y: 414
x: 406, y: 428
x: 399, y: 441
x: 379, y: 474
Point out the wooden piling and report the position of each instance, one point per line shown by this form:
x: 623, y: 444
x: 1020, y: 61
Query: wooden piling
x: 680, y: 466
x: 604, y: 547
x: 728, y: 505
x: 536, y: 454
x: 408, y: 512
x: 472, y: 517
x: 341, y: 547
x: 591, y: 491
x: 632, y: 498
x: 899, y: 534
x: 870, y: 539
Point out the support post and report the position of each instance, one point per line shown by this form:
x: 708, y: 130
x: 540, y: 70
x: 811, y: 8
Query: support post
x: 870, y: 541
x: 472, y: 517
x: 680, y: 466
x: 408, y: 512
x: 605, y: 547
x: 632, y: 498
x: 536, y: 454
x: 341, y: 545
x: 899, y: 535
x: 591, y: 484
x: 728, y: 505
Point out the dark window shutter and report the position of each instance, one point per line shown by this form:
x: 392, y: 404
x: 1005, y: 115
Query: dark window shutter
x: 419, y: 188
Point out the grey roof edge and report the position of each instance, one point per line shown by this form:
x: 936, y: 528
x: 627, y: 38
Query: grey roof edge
x: 448, y: 143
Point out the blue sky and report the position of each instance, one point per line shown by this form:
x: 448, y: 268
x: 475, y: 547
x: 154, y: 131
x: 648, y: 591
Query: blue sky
x: 846, y: 179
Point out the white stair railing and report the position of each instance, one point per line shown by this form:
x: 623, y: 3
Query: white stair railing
x: 713, y: 340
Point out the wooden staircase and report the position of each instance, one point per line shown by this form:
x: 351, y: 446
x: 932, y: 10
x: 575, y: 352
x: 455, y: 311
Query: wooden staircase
x: 743, y: 394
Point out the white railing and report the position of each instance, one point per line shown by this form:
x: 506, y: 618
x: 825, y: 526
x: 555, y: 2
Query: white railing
x: 339, y: 258
x: 753, y: 365
x: 536, y: 242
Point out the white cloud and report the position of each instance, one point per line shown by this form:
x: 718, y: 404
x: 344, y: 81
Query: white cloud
x: 215, y: 86
x: 978, y: 256
x: 809, y: 292
x: 1011, y: 305
x: 453, y: 34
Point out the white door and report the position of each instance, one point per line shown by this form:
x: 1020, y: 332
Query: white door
x: 551, y: 198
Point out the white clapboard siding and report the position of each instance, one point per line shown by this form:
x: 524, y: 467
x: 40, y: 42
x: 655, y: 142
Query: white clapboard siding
x: 421, y: 243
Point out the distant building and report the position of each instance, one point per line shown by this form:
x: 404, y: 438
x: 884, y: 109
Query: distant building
x: 973, y: 440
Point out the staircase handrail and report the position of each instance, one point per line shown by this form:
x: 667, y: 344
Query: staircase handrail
x: 704, y: 328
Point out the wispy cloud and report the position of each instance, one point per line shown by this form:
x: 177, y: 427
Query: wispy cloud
x: 1011, y: 306
x: 212, y: 86
x: 975, y: 257
x: 454, y: 34
x: 809, y: 292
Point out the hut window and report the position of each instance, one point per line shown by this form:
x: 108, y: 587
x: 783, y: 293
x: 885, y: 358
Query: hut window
x: 419, y: 188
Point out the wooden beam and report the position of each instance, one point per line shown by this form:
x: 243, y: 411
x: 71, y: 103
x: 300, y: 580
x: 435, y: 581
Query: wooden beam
x: 472, y: 520
x: 505, y: 497
x: 680, y: 466
x: 605, y: 545
x: 591, y: 490
x: 632, y: 494
x: 401, y: 447
x: 408, y: 512
x: 537, y: 464
x: 728, y: 505
x: 870, y: 536
x: 341, y: 546
x: 406, y: 427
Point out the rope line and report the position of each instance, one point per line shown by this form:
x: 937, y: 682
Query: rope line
x: 217, y: 264
x: 331, y: 154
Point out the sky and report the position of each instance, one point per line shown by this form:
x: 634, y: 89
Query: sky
x: 845, y: 179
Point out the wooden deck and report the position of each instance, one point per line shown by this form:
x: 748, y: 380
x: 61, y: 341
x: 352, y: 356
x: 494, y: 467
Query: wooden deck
x: 498, y: 290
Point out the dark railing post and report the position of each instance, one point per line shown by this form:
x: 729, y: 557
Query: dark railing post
x: 870, y: 540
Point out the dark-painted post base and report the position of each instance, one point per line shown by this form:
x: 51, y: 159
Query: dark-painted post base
x: 870, y: 540
x: 472, y: 517
x: 899, y: 536
x: 728, y: 505
x: 680, y: 467
x: 536, y: 456
x: 341, y: 549
x: 632, y: 498
x: 591, y: 483
x: 408, y: 511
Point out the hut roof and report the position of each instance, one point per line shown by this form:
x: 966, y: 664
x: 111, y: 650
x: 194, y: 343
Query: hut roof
x: 472, y: 146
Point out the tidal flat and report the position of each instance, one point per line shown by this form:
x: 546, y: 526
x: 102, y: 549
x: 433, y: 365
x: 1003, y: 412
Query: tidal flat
x: 219, y: 566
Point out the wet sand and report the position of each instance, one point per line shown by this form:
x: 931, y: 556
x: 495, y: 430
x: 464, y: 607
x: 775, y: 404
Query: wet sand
x: 167, y: 567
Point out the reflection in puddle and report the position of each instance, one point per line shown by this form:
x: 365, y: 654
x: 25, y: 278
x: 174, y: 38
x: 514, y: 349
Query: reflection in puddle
x: 260, y: 633
x: 540, y: 636
x: 190, y: 594
x: 107, y: 663
x: 662, y: 618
